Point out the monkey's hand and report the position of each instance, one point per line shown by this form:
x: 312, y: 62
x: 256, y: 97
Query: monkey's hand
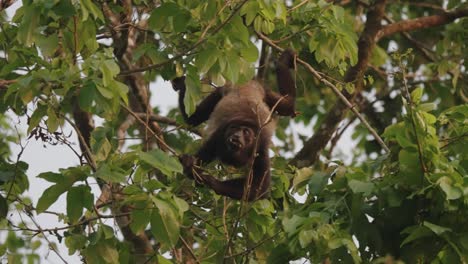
x: 287, y: 58
x: 178, y: 83
x: 188, y: 162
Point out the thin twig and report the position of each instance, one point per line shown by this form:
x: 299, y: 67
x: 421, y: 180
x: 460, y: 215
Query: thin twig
x: 51, y: 246
x: 413, y: 122
x: 149, y: 129
x: 186, y: 245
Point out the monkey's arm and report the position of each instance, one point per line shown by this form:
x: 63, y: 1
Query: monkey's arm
x: 286, y: 86
x: 235, y: 188
x: 203, y: 110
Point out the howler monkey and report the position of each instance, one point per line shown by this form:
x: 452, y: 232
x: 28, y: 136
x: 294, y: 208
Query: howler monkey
x: 238, y: 129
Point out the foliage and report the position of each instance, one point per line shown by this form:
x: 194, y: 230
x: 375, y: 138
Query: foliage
x: 63, y: 63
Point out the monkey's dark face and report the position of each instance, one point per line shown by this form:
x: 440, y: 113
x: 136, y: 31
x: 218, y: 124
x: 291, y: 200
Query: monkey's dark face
x: 239, y: 141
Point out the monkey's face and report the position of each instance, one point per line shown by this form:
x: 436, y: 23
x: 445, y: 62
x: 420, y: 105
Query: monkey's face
x: 239, y: 141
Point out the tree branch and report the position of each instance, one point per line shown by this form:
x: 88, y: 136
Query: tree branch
x: 309, y: 154
x: 421, y: 23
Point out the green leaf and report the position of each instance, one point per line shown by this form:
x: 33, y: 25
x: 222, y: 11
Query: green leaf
x: 206, y: 58
x: 140, y: 219
x: 159, y: 16
x: 450, y: 191
x: 317, y: 182
x: 48, y: 45
x: 280, y: 255
x: 89, y: 7
x: 63, y: 184
x: 302, y: 175
x: 52, y: 120
x: 106, y: 231
x: 164, y: 224
x: 109, y: 70
x: 410, y: 166
x: 438, y: 230
x: 162, y: 161
x: 250, y: 10
x: 36, y: 117
x: 291, y: 225
x: 193, y: 91
x: 108, y: 252
x: 415, y: 232
x: 361, y: 187
x: 121, y: 90
x: 29, y: 25
x: 64, y: 8
x: 110, y: 174
x: 416, y: 95
x: 100, y: 144
x: 86, y: 96
x: 78, y: 197
x: 105, y: 91
x: 75, y: 242
x: 250, y: 52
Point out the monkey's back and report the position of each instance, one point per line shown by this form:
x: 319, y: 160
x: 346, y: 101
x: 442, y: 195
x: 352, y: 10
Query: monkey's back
x: 241, y: 103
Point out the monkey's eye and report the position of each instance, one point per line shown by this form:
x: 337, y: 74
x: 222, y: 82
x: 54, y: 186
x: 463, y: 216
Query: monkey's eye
x: 246, y: 131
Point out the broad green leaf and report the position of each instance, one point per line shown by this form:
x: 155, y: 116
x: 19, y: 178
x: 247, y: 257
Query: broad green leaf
x: 62, y: 185
x: 140, y: 219
x: 161, y: 161
x: 89, y: 7
x: 87, y: 95
x: 416, y: 95
x: 64, y: 8
x: 280, y: 254
x: 100, y: 144
x: 206, y: 58
x: 28, y: 27
x: 361, y: 187
x: 52, y: 120
x: 107, y: 231
x: 302, y: 175
x: 306, y: 237
x: 291, y: 225
x: 78, y: 197
x: 164, y: 224
x: 438, y: 230
x: 450, y: 191
x: 109, y: 70
x: 317, y: 182
x: 109, y: 174
x: 36, y: 117
x: 75, y: 242
x: 415, y: 232
x: 250, y: 10
x: 48, y: 45
x: 105, y: 91
x: 250, y: 52
x: 108, y: 252
x: 121, y: 90
x: 159, y: 16
x: 192, y: 93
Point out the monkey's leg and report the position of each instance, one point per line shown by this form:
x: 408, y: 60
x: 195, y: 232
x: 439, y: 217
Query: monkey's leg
x: 203, y: 110
x: 286, y: 100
